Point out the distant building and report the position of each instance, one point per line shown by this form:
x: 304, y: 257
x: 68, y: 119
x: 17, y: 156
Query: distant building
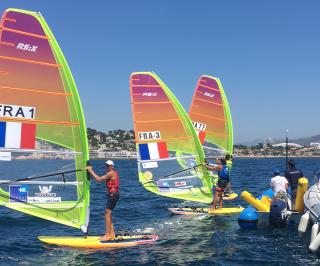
x: 315, y: 145
x: 97, y: 137
x: 283, y: 145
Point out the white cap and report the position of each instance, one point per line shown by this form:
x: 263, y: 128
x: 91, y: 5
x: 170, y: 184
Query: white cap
x: 109, y: 162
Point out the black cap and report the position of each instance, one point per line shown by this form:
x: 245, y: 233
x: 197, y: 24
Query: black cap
x: 291, y: 162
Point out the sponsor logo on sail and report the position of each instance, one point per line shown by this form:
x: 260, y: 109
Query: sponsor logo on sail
x: 18, y: 193
x: 27, y: 47
x: 150, y: 94
x: 44, y: 196
x: 208, y: 94
x: 180, y: 183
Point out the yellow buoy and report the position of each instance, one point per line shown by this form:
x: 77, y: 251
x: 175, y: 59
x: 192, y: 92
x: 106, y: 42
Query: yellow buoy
x: 266, y: 200
x: 302, y: 188
x: 258, y: 204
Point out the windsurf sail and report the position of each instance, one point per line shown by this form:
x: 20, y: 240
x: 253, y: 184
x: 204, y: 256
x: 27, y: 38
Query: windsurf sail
x: 211, y: 117
x: 165, y: 135
x: 41, y: 120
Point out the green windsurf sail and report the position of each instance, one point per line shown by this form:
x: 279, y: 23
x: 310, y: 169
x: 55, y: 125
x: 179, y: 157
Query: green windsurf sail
x: 164, y: 136
x: 41, y: 120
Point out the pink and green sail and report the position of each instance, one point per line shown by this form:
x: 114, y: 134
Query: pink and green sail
x: 211, y: 117
x: 38, y: 93
x: 164, y: 136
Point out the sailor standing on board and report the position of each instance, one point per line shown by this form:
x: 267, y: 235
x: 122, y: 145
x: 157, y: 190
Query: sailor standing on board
x: 112, y: 182
x: 223, y: 180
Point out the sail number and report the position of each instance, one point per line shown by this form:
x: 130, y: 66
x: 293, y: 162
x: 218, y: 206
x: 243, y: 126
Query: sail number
x: 27, y: 47
x: 152, y: 135
x: 16, y: 111
x: 199, y: 126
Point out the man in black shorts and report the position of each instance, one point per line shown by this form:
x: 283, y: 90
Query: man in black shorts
x: 112, y: 182
x: 223, y: 180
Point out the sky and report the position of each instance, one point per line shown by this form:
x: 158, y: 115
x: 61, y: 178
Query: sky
x: 266, y: 54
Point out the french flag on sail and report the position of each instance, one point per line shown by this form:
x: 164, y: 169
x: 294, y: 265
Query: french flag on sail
x: 153, y: 151
x: 17, y: 135
x: 201, y: 135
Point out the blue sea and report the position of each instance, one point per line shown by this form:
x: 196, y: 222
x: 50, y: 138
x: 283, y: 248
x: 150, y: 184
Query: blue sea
x: 182, y: 240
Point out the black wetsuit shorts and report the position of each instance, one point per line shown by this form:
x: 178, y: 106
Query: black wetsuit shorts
x: 222, y: 184
x: 112, y: 200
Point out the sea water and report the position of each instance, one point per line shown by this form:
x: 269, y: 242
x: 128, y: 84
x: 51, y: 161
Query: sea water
x: 182, y: 240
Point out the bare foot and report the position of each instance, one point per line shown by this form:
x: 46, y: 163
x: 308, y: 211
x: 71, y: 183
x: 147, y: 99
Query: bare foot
x: 105, y: 238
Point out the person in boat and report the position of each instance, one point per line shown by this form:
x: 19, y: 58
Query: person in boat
x: 279, y: 185
x: 223, y: 180
x: 293, y: 175
x: 112, y: 182
x: 278, y: 215
x: 228, y: 159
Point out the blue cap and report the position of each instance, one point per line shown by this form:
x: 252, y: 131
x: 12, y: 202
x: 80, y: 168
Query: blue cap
x: 276, y: 171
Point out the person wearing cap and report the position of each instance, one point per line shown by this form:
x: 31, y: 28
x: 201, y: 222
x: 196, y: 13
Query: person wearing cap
x: 112, y: 182
x: 279, y: 184
x: 293, y: 175
x: 228, y: 158
x: 223, y: 180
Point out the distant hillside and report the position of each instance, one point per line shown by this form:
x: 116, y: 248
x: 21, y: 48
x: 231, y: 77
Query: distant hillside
x: 302, y: 141
x: 307, y: 140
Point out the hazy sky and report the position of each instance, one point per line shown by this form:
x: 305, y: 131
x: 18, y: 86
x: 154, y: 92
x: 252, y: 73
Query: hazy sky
x: 266, y: 53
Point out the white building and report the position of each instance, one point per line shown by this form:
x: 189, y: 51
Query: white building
x: 283, y: 145
x: 315, y: 145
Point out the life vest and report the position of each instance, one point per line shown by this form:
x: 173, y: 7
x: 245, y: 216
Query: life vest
x: 224, y: 173
x: 113, y: 184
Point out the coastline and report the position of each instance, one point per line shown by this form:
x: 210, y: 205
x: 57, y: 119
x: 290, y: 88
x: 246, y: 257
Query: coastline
x: 39, y: 157
x: 274, y: 156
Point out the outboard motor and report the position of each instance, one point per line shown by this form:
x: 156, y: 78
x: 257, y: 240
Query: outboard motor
x: 278, y: 216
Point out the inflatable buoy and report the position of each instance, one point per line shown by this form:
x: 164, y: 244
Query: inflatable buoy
x: 314, y: 245
x: 302, y: 188
x: 248, y: 218
x: 258, y: 204
x: 304, y: 221
x: 314, y: 232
